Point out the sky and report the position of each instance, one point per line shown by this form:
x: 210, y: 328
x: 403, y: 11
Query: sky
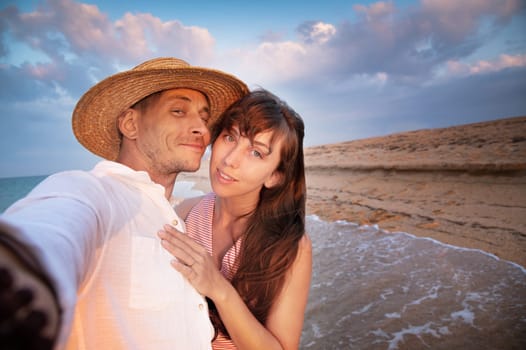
x: 351, y: 69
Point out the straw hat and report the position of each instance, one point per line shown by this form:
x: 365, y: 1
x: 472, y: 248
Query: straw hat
x: 95, y: 116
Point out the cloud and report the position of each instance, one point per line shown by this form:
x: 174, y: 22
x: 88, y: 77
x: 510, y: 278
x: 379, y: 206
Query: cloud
x: 364, y: 108
x: 312, y: 32
x: 81, y: 46
x: 375, y: 11
x: 455, y: 20
x: 69, y: 46
x: 36, y: 137
x: 486, y: 66
x: 67, y: 31
x: 409, y: 46
x: 271, y: 36
x: 382, y: 69
x: 146, y: 35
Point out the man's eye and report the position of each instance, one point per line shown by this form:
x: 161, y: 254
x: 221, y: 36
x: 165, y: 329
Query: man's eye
x: 257, y: 154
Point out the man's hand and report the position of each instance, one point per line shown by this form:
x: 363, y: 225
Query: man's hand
x: 29, y: 311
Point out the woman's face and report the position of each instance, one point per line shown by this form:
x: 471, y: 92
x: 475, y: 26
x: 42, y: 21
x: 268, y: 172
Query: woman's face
x: 240, y: 167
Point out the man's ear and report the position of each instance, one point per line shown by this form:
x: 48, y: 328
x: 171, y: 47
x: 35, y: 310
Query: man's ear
x: 127, y: 123
x: 274, y: 179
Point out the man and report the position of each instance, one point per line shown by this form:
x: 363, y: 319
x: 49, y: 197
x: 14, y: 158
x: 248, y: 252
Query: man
x: 89, y: 239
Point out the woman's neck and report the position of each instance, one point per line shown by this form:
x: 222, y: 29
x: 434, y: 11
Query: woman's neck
x: 230, y: 215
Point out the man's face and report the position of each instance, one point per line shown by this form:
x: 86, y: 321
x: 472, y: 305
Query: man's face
x: 173, y: 133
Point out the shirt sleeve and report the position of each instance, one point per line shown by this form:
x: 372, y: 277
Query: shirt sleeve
x: 61, y: 220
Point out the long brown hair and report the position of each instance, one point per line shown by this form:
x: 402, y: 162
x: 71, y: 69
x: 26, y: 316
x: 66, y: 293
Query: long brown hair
x: 274, y: 229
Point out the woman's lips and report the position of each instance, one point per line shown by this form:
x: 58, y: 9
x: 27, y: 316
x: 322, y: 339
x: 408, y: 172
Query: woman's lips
x: 223, y: 177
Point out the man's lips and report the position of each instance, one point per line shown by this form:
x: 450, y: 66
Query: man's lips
x: 195, y: 146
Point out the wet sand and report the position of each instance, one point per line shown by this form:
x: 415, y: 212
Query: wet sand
x: 463, y: 185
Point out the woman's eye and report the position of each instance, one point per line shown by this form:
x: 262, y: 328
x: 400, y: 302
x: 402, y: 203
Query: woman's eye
x: 229, y: 138
x: 257, y: 154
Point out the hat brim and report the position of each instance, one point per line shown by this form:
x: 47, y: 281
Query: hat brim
x: 95, y: 116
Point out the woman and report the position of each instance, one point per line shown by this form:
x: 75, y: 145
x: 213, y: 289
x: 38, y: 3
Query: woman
x: 250, y: 255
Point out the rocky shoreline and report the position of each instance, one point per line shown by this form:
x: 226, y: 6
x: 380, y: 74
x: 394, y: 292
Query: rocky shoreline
x: 463, y: 185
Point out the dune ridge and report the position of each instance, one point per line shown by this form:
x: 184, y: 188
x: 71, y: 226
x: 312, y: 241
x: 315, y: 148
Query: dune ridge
x: 463, y: 185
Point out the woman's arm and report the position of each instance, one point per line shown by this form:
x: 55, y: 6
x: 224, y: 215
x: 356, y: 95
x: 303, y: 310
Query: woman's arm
x: 284, y: 325
x: 286, y: 316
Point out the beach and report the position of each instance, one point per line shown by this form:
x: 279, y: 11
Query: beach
x: 463, y: 185
x: 418, y: 238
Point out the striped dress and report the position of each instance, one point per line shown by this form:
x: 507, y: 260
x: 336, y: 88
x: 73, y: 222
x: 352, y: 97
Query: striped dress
x: 199, y: 227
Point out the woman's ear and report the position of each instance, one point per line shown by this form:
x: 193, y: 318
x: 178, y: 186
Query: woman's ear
x: 274, y: 179
x: 127, y: 123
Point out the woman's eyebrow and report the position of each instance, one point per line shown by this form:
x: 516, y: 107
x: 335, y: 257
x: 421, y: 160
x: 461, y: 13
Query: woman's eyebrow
x: 262, y: 144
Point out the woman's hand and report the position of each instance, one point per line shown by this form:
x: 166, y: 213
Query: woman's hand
x: 193, y: 262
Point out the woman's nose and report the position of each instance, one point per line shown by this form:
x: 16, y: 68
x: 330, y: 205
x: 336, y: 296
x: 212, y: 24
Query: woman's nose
x: 232, y: 158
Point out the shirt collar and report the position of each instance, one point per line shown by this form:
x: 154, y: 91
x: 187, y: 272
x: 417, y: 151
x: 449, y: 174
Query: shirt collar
x: 127, y: 174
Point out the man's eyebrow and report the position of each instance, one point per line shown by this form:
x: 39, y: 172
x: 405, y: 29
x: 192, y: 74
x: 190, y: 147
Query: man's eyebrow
x: 179, y: 97
x: 187, y: 99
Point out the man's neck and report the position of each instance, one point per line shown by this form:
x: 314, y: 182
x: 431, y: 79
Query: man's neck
x: 165, y: 180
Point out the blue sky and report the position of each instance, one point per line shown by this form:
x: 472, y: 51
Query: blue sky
x: 351, y: 69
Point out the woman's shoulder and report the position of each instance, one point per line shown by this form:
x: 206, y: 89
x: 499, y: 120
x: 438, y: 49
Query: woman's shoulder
x: 305, y: 242
x: 183, y: 208
x: 304, y: 254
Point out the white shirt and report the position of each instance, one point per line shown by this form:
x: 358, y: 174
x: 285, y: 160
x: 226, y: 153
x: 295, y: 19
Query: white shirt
x: 96, y: 233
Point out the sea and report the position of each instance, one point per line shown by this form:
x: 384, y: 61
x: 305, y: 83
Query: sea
x: 373, y: 289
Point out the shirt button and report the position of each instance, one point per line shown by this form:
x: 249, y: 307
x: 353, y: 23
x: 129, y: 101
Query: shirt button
x: 201, y: 306
x: 175, y: 222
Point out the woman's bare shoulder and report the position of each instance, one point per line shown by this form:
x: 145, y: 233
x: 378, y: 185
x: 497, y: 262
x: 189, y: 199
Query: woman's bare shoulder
x: 305, y: 243
x: 183, y: 208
